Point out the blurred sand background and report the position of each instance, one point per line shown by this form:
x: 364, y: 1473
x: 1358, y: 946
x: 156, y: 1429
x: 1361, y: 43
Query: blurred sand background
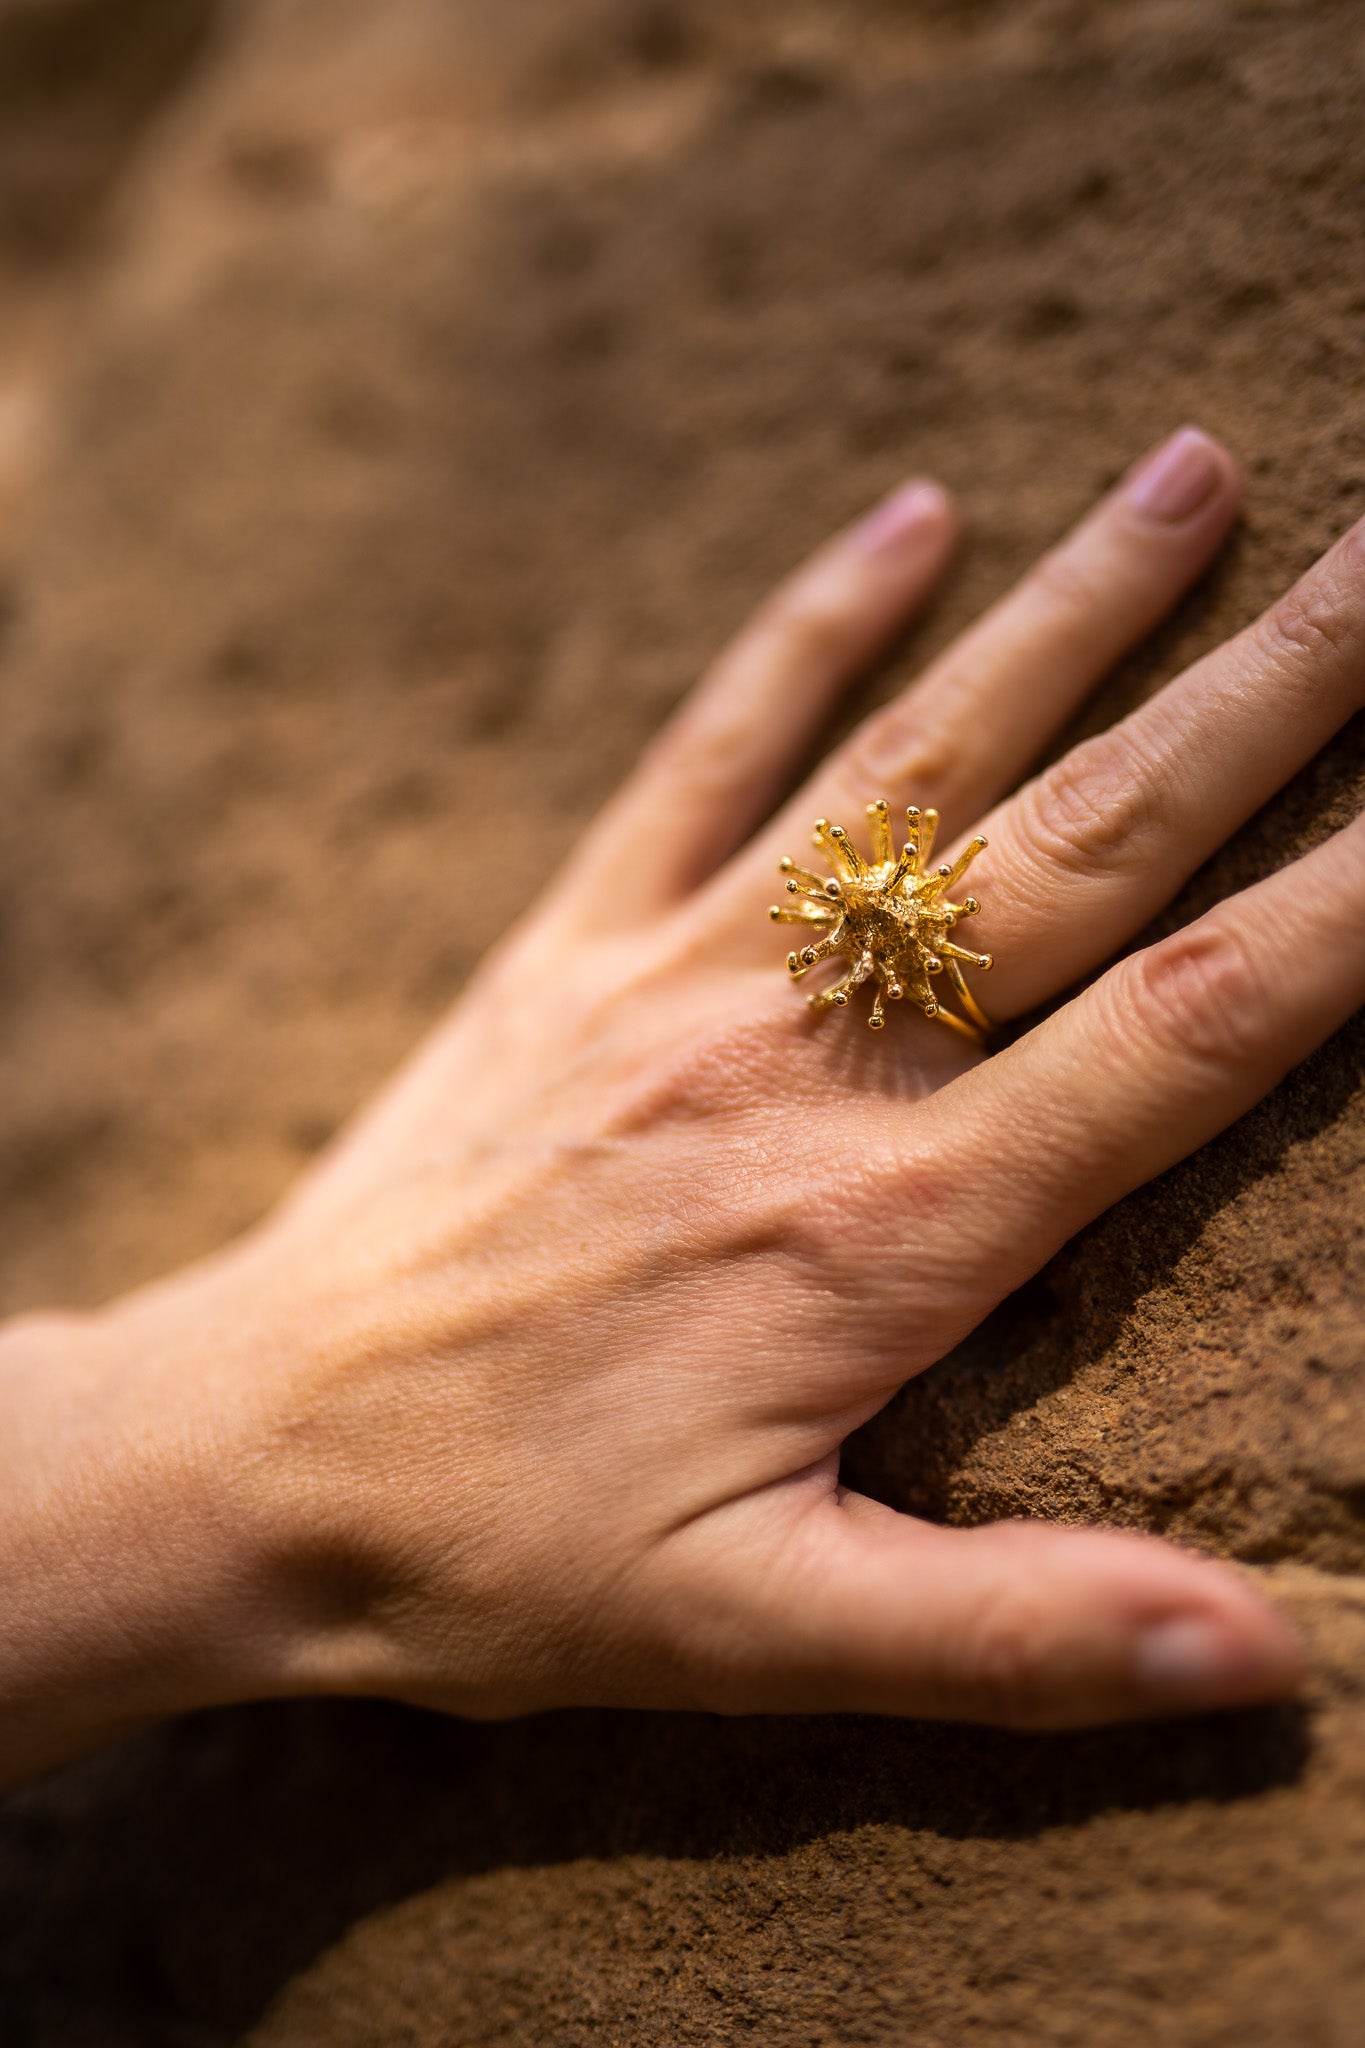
x: 399, y: 401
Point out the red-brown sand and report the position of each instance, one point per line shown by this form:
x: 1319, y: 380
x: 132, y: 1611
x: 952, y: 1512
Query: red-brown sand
x: 399, y: 400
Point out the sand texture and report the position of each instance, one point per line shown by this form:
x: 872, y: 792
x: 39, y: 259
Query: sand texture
x: 399, y: 401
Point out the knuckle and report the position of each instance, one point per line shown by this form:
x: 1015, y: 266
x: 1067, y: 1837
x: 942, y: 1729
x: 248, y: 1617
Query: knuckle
x: 697, y: 750
x: 712, y: 1074
x: 1201, y: 988
x: 883, y: 1237
x: 1005, y: 1663
x: 1309, y: 624
x: 813, y: 1219
x: 1070, y: 582
x: 896, y: 748
x: 1096, y: 809
x: 811, y: 627
x: 703, y: 762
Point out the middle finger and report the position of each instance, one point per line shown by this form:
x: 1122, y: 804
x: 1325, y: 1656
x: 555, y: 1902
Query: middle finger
x: 972, y: 725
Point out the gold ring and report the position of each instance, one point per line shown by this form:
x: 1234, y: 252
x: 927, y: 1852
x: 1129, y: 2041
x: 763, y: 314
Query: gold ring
x: 889, y: 920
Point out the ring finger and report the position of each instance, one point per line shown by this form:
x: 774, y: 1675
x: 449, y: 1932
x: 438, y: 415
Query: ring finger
x: 1084, y: 855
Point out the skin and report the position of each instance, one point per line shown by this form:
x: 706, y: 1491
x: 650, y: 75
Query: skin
x: 532, y: 1392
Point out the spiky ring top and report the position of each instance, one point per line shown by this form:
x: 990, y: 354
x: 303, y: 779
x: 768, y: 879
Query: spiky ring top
x: 889, y: 919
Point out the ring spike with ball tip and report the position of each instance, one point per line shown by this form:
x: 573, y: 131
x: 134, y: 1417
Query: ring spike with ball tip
x: 889, y: 919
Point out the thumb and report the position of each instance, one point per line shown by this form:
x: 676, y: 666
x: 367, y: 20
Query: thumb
x: 1024, y: 1624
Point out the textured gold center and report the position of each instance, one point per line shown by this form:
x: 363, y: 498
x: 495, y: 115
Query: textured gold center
x: 888, y: 918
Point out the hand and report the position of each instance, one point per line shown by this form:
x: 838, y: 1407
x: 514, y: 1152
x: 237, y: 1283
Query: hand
x: 533, y: 1392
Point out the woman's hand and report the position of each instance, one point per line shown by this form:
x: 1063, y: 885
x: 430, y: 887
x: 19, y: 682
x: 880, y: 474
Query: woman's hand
x: 532, y: 1393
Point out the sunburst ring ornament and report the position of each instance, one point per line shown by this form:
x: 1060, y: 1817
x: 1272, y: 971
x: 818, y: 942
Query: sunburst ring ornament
x: 889, y: 919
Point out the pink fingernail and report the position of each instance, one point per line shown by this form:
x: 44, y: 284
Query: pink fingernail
x: 1181, y: 476
x: 907, y: 510
x: 1193, y: 1663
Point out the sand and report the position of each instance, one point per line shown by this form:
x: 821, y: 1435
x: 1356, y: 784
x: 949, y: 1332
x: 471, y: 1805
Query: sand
x: 398, y: 403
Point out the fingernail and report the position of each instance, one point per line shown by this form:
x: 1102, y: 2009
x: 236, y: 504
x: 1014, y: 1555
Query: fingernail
x: 1180, y: 477
x: 907, y: 510
x: 1194, y: 1663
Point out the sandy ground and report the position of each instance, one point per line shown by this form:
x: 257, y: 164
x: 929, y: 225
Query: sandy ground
x: 398, y: 402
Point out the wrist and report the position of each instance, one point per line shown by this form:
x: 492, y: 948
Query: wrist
x: 126, y: 1593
